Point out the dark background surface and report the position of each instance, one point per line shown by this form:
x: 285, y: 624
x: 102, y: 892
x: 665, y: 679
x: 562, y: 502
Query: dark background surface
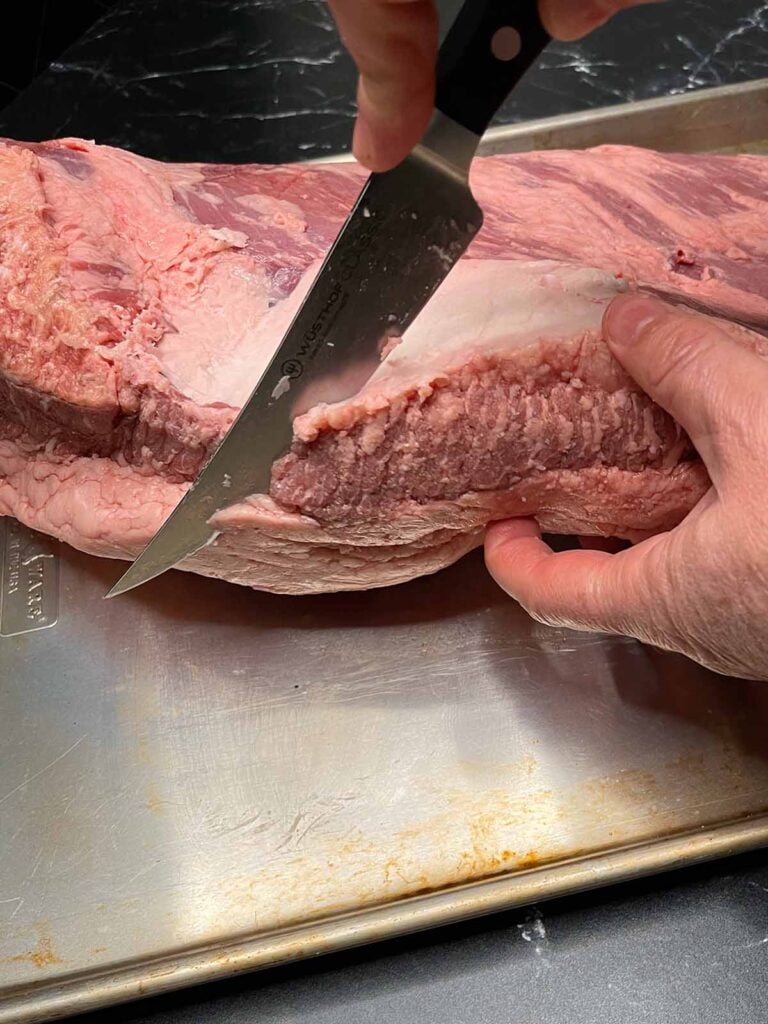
x: 267, y: 80
x: 42, y: 29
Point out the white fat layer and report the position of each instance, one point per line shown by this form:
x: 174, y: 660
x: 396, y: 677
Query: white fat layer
x: 489, y: 307
x: 225, y: 333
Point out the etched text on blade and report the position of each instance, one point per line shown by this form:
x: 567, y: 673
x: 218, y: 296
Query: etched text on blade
x: 408, y: 229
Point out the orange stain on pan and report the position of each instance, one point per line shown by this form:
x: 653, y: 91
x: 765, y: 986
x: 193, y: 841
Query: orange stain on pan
x: 42, y: 955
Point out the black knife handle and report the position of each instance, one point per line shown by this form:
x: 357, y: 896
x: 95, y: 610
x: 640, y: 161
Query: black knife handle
x: 488, y: 49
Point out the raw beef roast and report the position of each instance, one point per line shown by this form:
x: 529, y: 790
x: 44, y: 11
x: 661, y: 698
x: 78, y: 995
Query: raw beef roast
x: 140, y: 301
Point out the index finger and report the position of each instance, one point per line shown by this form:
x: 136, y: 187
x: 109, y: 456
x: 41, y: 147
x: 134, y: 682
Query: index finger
x: 394, y: 45
x: 581, y: 589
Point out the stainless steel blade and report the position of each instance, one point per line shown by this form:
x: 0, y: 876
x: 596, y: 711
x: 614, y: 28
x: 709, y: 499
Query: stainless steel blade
x: 695, y: 305
x: 405, y: 233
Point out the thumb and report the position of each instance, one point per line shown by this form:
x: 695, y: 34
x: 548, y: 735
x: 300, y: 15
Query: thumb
x: 706, y: 373
x: 394, y: 45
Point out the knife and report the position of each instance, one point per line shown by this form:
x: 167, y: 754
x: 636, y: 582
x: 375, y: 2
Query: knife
x: 406, y: 231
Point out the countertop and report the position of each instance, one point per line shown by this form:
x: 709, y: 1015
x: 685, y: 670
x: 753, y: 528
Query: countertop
x: 267, y: 80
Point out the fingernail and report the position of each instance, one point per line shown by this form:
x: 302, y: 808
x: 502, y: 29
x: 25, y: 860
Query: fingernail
x: 627, y: 317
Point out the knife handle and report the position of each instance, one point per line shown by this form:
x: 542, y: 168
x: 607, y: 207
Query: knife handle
x: 488, y: 49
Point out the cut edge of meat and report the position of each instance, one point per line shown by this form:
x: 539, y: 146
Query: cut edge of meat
x: 90, y: 504
x: 100, y: 438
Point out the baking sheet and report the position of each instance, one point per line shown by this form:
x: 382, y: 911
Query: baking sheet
x: 726, y: 119
x: 197, y: 779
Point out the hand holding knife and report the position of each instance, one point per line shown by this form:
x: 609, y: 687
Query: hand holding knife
x: 406, y: 231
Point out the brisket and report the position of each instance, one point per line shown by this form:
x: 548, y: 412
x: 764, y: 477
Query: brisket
x: 139, y: 302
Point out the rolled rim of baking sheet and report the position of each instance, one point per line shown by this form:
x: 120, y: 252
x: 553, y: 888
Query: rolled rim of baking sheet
x: 358, y: 928
x: 719, y: 119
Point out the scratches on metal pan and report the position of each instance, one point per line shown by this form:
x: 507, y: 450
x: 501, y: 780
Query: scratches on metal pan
x: 42, y: 771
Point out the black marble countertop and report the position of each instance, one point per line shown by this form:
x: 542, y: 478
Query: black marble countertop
x: 267, y: 80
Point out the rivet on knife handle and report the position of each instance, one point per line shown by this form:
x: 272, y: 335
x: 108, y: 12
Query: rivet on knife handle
x: 488, y: 49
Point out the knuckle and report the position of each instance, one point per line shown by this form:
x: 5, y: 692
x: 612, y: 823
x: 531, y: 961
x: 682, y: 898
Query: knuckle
x: 673, y: 345
x: 552, y: 609
x: 539, y: 611
x: 402, y: 68
x: 741, y: 442
x: 537, y: 600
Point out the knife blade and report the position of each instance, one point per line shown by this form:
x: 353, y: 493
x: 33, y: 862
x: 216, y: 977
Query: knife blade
x: 405, y: 233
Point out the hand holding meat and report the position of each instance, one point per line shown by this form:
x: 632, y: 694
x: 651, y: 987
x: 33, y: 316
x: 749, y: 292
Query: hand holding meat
x: 701, y: 588
x: 394, y: 44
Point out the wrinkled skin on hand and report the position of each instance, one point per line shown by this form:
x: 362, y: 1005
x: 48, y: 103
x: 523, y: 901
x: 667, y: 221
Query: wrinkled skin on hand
x: 394, y: 45
x: 702, y: 588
